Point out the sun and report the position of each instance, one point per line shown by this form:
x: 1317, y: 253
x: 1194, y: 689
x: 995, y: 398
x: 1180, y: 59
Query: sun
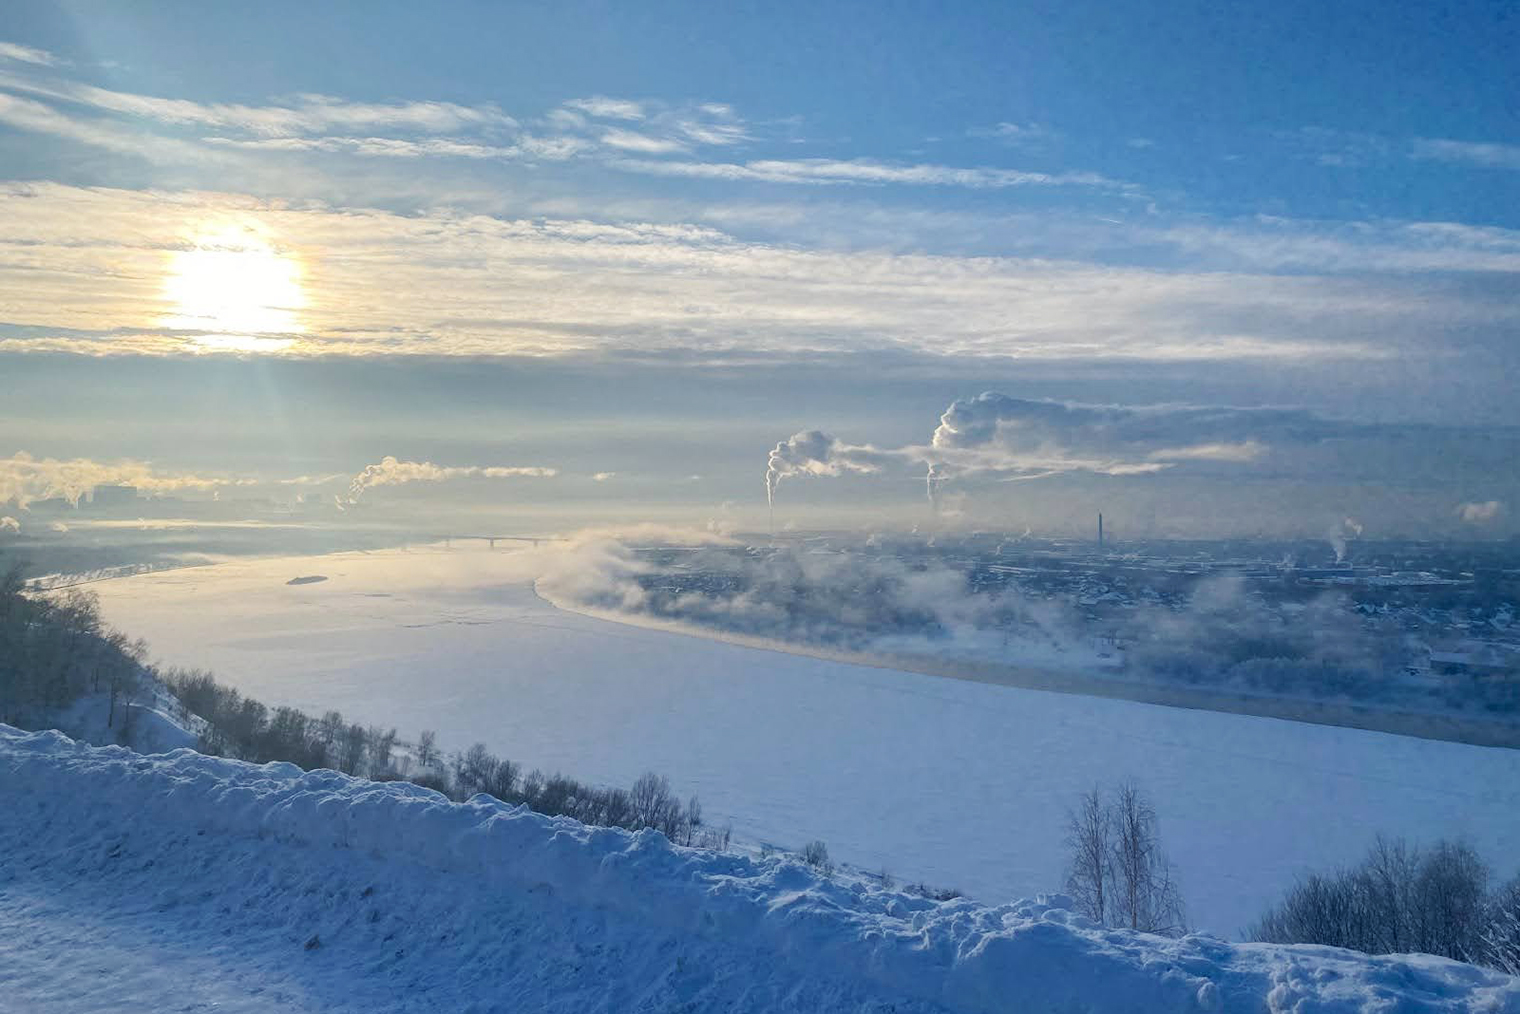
x: 235, y: 287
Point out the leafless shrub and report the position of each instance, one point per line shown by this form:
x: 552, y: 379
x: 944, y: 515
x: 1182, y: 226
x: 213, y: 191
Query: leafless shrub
x: 1400, y: 899
x: 934, y: 893
x: 816, y: 854
x: 1501, y: 932
x: 716, y: 839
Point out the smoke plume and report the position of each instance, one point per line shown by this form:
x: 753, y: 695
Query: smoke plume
x: 1022, y: 439
x: 813, y: 452
x: 389, y: 471
x: 1474, y: 512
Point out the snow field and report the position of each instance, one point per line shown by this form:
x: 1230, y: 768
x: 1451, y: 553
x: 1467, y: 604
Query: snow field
x: 202, y: 881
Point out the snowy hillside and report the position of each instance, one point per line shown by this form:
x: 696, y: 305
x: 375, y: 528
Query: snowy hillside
x: 977, y: 778
x: 152, y: 720
x: 186, y: 882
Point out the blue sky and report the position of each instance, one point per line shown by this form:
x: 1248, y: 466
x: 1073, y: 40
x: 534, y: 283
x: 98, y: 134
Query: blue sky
x: 646, y: 238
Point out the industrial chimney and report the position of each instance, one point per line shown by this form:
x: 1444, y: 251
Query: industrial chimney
x: 1100, y: 530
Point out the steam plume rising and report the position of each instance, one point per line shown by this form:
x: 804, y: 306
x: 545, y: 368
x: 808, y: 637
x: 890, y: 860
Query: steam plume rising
x: 1337, y: 536
x: 813, y: 452
x: 1025, y: 439
x: 389, y: 471
x: 1474, y: 512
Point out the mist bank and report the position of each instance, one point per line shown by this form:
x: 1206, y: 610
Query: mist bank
x: 1424, y: 725
x: 1215, y: 643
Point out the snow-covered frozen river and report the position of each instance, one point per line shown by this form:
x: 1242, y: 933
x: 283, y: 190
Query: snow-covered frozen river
x: 956, y: 783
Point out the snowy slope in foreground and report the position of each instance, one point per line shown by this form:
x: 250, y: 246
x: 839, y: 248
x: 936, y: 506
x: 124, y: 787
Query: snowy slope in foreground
x: 186, y: 882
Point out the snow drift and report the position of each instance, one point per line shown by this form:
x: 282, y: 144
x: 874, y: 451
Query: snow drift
x: 325, y: 892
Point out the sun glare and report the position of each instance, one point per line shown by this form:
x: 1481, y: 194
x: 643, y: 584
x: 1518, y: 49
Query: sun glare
x: 237, y: 288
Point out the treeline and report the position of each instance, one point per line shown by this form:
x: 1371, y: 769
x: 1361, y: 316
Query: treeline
x: 55, y: 649
x: 1402, y: 899
x: 237, y: 726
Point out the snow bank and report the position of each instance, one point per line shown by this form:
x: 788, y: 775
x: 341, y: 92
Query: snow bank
x: 357, y: 886
x: 154, y: 726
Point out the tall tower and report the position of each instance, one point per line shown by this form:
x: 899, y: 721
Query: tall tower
x: 1100, y: 531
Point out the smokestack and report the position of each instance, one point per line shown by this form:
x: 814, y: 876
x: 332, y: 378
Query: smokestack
x: 1100, y: 530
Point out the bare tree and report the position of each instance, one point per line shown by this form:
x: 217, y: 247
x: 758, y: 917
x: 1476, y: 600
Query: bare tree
x: 380, y: 746
x: 1145, y: 895
x: 501, y: 779
x: 474, y: 769
x: 330, y: 730
x: 427, y: 749
x: 653, y: 805
x: 1088, y: 833
x: 351, y: 749
x: 124, y: 675
x: 1118, y: 874
x: 1450, y: 893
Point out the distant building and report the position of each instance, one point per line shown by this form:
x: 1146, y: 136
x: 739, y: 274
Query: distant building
x: 1477, y: 660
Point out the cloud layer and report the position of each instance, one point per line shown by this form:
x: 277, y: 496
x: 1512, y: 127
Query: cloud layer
x: 24, y: 478
x: 451, y: 283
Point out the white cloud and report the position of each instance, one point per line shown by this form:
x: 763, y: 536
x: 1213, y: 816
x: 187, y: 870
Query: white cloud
x: 662, y: 128
x: 27, y: 54
x: 83, y: 269
x: 1486, y: 155
x: 1277, y: 244
x: 604, y: 476
x: 9, y: 524
x: 629, y: 140
x: 305, y: 114
x: 729, y: 130
x: 1025, y: 135
x: 823, y: 171
x: 607, y: 108
x: 24, y: 478
x: 41, y: 118
x: 523, y: 149
x: 1245, y: 450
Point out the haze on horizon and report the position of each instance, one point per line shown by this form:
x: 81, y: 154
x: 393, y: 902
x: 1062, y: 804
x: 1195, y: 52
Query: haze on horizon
x: 1004, y: 266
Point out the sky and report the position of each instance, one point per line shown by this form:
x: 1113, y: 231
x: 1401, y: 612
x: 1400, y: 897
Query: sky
x: 1212, y: 269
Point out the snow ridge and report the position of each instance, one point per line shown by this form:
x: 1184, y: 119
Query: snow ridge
x: 483, y: 886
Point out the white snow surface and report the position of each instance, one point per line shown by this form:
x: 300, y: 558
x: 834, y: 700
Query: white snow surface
x: 155, y: 727
x: 956, y: 783
x: 184, y: 882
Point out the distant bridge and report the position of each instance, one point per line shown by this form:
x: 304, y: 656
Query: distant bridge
x: 494, y: 539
